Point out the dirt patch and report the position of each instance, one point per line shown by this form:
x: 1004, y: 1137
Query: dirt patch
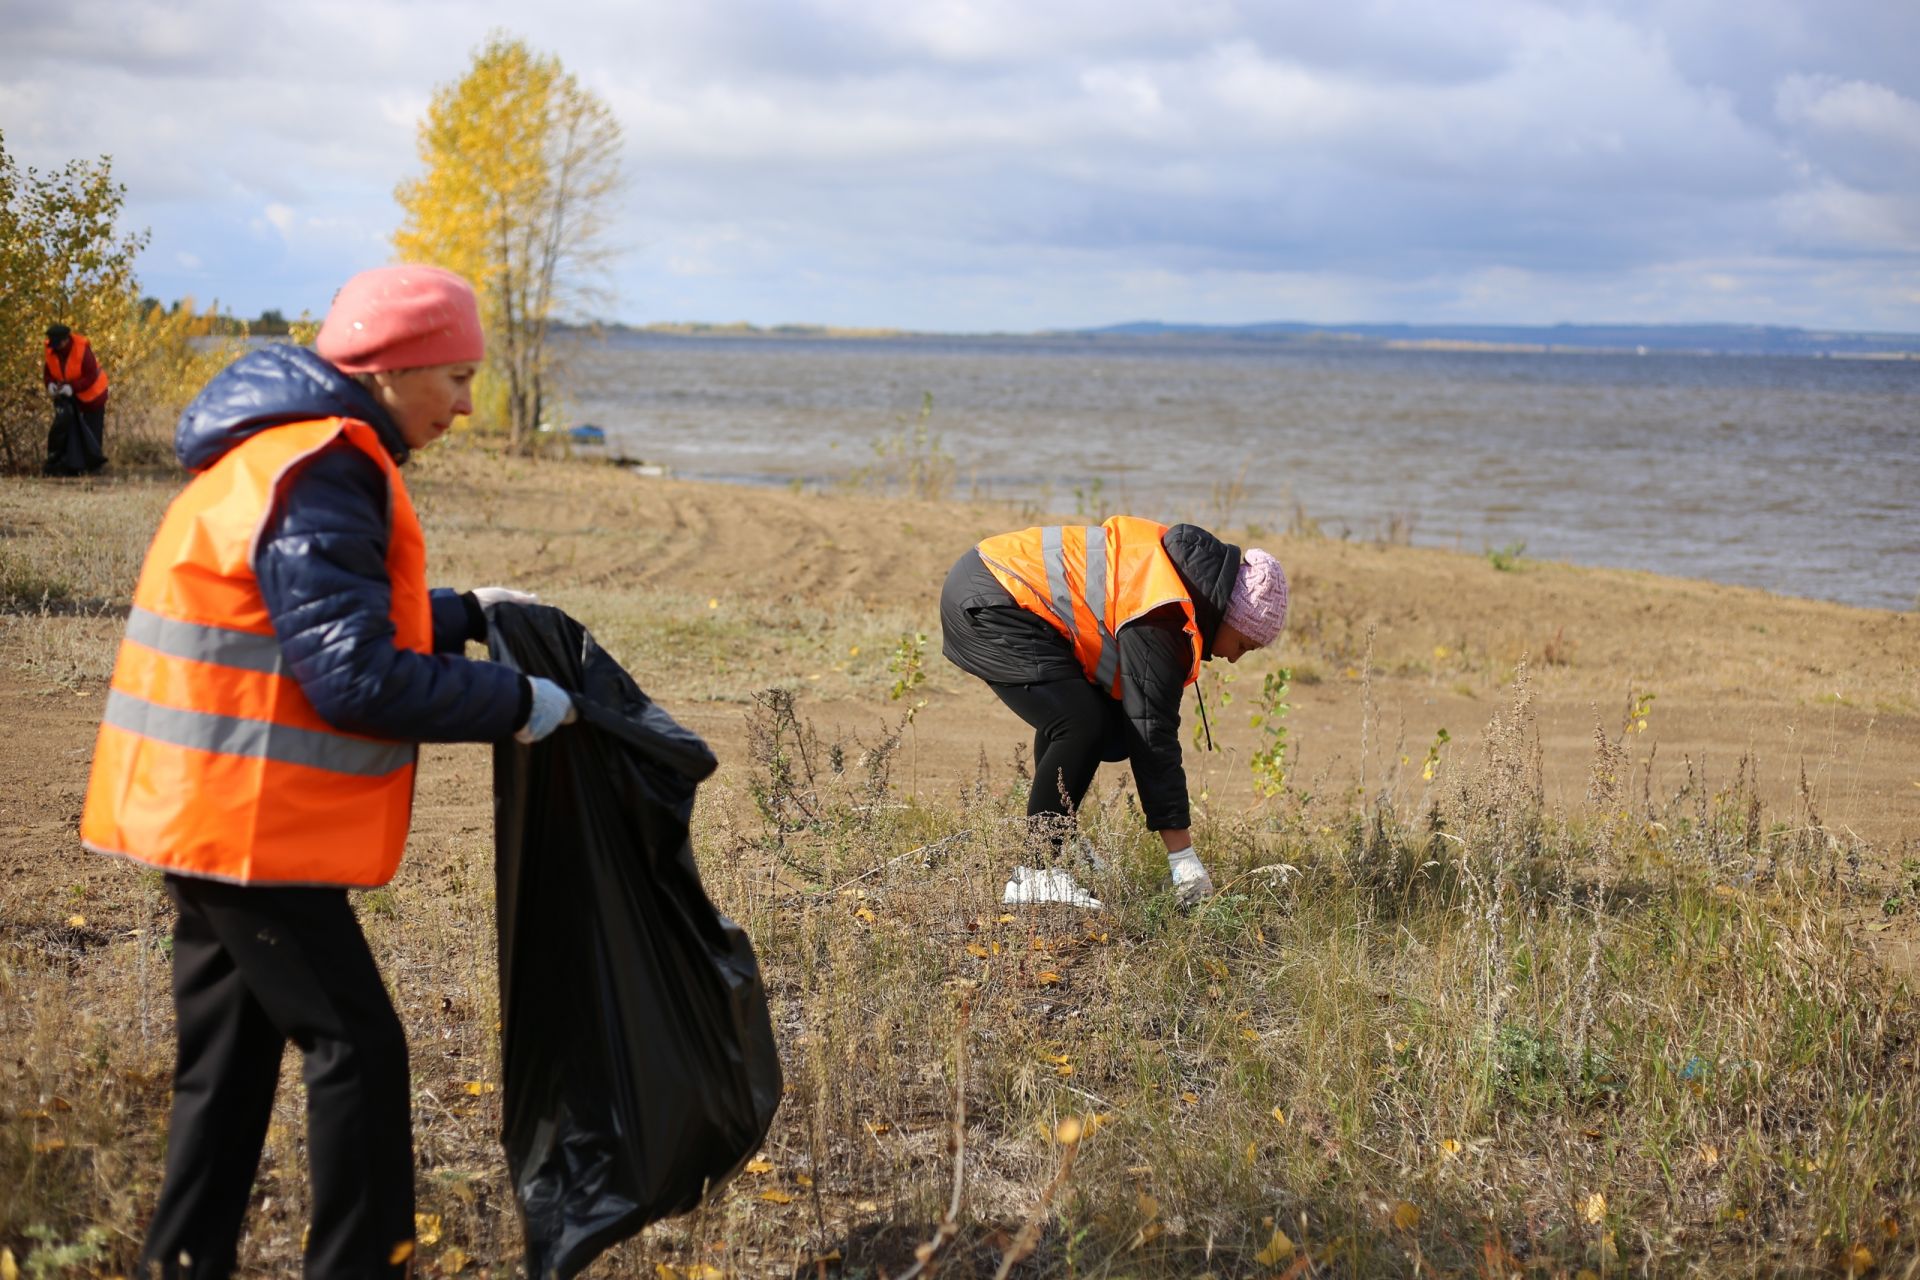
x: 710, y: 592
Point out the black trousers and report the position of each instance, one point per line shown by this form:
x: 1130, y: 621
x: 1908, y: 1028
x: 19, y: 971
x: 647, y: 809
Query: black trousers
x: 1075, y: 727
x: 95, y: 416
x: 252, y: 969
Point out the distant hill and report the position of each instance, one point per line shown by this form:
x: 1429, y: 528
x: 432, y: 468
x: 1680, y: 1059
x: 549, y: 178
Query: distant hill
x: 1723, y: 339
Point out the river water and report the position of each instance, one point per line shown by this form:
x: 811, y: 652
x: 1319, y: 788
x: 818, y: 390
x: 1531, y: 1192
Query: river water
x: 1794, y: 474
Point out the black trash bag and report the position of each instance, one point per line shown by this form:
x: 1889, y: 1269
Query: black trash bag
x: 71, y: 447
x: 640, y: 1065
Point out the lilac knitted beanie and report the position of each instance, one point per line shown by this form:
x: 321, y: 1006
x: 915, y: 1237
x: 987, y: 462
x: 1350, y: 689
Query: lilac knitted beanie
x: 1259, y: 606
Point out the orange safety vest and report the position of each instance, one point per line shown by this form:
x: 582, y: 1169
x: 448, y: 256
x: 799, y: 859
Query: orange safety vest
x: 69, y: 370
x: 211, y: 761
x: 1091, y: 581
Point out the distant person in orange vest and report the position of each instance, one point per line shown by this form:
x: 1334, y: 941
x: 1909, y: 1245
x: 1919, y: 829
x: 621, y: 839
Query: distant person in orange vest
x: 282, y: 661
x: 1091, y: 634
x: 73, y: 377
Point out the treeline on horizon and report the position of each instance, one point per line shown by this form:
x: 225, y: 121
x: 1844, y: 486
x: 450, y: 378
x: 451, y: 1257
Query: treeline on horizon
x: 1670, y: 339
x: 1716, y: 339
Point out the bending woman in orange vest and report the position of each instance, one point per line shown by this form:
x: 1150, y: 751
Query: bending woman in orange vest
x: 282, y: 660
x: 71, y: 372
x: 1090, y: 635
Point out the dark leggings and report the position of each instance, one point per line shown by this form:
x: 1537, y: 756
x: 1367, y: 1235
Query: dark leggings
x: 255, y: 967
x: 1075, y: 727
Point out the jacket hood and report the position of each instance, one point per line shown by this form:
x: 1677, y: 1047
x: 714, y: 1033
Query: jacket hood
x: 1209, y: 567
x: 268, y: 387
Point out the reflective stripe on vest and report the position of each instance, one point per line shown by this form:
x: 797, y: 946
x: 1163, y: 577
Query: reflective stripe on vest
x: 75, y: 364
x: 211, y: 761
x: 262, y: 739
x: 1091, y: 581
x: 198, y: 642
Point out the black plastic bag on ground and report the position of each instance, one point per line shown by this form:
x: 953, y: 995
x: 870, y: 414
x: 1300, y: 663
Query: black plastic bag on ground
x: 640, y: 1065
x: 71, y: 448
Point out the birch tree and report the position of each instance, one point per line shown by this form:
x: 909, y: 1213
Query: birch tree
x: 521, y: 166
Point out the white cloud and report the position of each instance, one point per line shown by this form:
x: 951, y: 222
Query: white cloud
x: 1008, y: 163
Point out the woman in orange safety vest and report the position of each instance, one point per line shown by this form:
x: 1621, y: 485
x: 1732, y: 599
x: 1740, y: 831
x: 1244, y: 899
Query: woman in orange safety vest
x: 1091, y: 634
x: 282, y: 659
x: 73, y: 376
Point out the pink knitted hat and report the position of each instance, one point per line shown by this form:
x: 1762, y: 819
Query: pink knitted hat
x: 1259, y: 606
x: 402, y: 317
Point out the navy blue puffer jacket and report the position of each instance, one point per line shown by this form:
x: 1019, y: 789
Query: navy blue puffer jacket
x: 322, y: 564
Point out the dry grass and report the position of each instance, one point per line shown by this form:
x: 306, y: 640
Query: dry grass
x: 1434, y: 1026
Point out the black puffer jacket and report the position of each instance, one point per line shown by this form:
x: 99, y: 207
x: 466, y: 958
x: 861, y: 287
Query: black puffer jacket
x: 988, y: 635
x: 321, y: 561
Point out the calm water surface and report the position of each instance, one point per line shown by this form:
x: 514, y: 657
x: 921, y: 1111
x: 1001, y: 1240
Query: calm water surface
x: 1793, y: 474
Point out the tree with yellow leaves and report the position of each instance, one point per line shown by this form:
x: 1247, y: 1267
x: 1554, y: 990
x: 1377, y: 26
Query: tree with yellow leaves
x: 62, y: 258
x: 521, y: 166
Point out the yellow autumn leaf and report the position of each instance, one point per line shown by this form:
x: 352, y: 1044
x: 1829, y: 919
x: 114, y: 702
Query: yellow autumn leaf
x: 802, y: 1179
x: 977, y: 951
x: 1594, y: 1208
x: 1148, y: 1206
x: 76, y: 922
x: 714, y: 603
x: 478, y: 1087
x: 50, y: 1146
x: 426, y: 1229
x: 1047, y: 978
x: 702, y: 1271
x: 1449, y: 1148
x: 1068, y: 1131
x: 777, y: 1197
x: 1190, y: 1098
x: 1008, y: 918
x: 759, y: 1164
x: 1857, y: 1260
x: 878, y: 1126
x: 1248, y: 1033
x: 1057, y: 1059
x: 1406, y: 1215
x: 453, y: 1260
x: 1709, y: 1154
x: 1253, y: 1154
x: 399, y: 1253
x: 1278, y: 1250
x: 864, y: 914
x: 9, y: 1269
x: 1279, y: 1116
x: 1063, y: 1070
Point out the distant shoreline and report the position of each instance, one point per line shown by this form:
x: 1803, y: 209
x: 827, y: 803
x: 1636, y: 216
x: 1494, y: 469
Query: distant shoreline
x: 1649, y: 340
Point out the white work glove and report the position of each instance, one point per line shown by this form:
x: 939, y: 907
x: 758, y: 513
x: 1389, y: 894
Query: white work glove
x: 1191, y: 883
x: 552, y: 707
x: 503, y: 595
x: 62, y: 389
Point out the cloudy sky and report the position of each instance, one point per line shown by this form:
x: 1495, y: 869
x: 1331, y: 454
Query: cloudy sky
x: 1025, y: 164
